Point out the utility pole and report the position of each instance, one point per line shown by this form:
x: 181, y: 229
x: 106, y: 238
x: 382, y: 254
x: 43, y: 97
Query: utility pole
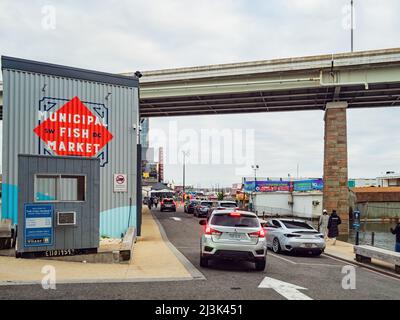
x: 352, y: 25
x: 255, y: 168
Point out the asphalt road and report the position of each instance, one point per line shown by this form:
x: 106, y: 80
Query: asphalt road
x: 321, y: 276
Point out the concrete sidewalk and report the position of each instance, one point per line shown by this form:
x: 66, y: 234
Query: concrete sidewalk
x: 345, y: 251
x: 154, y: 259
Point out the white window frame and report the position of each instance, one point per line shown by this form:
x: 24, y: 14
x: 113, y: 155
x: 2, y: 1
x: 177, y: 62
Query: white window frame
x: 58, y: 186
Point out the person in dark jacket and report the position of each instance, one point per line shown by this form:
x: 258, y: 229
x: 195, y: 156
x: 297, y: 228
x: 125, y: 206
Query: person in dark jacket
x: 150, y: 202
x: 333, y: 226
x: 396, y: 231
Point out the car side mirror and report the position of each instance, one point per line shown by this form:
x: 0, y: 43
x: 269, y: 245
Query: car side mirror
x: 202, y: 222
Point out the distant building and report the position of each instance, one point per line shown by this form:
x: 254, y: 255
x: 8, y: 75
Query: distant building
x: 363, y: 182
x: 152, y: 168
x: 390, y: 179
x: 144, y: 132
x: 285, y: 196
x: 283, y: 203
x: 376, y: 202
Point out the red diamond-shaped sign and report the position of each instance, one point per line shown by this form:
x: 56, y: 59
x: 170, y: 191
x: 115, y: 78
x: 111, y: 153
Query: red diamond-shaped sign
x: 74, y: 130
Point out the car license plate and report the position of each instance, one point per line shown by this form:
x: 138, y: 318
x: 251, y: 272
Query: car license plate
x: 235, y: 236
x: 308, y: 245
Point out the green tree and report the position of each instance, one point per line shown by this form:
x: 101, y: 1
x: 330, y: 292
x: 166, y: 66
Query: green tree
x: 220, y: 196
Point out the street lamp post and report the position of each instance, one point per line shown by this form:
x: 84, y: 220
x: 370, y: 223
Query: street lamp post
x: 255, y: 168
x: 185, y: 154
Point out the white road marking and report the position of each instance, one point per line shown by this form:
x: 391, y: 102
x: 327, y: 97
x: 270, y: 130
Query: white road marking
x: 288, y: 290
x: 176, y: 218
x: 364, y: 268
x: 303, y: 263
x: 276, y: 256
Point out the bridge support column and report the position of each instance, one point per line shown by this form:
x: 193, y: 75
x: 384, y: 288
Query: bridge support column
x: 336, y: 192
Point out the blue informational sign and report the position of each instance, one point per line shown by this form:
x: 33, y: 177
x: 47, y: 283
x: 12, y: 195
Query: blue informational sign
x: 356, y: 220
x: 284, y: 185
x: 308, y: 185
x: 38, y: 225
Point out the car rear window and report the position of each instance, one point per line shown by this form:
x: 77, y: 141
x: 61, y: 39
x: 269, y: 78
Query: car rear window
x: 228, y: 204
x: 206, y: 203
x: 226, y: 220
x: 168, y: 201
x: 296, y: 225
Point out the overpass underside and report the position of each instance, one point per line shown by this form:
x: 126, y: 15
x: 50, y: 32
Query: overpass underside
x: 331, y: 83
x: 357, y: 96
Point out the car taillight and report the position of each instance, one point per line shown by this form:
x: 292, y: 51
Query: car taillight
x: 258, y: 234
x: 234, y: 214
x: 290, y: 235
x: 162, y: 203
x: 212, y: 231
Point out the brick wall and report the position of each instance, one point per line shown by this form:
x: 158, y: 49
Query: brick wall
x: 336, y: 192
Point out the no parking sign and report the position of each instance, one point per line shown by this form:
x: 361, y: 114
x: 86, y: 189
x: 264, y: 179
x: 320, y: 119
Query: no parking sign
x: 120, y: 182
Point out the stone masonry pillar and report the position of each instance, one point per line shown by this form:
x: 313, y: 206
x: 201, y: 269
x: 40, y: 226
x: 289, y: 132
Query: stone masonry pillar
x: 336, y: 191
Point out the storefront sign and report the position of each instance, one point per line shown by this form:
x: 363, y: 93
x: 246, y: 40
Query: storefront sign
x: 73, y: 130
x: 284, y: 185
x: 38, y: 225
x: 267, y: 186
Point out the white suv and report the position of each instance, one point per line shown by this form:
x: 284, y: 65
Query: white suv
x: 235, y: 235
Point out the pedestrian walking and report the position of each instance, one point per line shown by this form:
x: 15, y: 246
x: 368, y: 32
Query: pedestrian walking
x: 323, y: 223
x: 396, y: 231
x: 150, y: 202
x: 333, y: 226
x: 156, y: 202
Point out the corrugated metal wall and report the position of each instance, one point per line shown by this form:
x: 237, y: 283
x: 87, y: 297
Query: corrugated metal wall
x: 22, y: 94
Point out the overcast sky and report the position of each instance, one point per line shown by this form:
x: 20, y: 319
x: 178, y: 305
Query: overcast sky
x: 121, y: 36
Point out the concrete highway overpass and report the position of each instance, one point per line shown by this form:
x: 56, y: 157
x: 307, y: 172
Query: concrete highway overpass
x: 362, y: 79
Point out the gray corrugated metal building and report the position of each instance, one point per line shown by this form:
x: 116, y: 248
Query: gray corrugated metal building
x: 35, y: 92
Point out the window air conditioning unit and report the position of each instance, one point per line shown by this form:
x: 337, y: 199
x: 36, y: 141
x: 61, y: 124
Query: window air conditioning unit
x: 66, y: 218
x: 315, y: 203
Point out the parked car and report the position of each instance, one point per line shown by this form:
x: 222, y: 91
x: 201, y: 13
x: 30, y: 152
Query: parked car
x: 202, y: 208
x: 190, y: 205
x: 222, y: 205
x: 227, y: 204
x: 293, y: 236
x: 233, y: 235
x: 168, y: 204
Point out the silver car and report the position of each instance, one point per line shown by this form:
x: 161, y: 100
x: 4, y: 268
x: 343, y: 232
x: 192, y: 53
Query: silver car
x: 294, y: 236
x: 234, y: 235
x: 227, y: 204
x: 224, y: 204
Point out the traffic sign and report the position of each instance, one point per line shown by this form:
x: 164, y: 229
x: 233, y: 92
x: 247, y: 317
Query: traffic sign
x: 120, y: 182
